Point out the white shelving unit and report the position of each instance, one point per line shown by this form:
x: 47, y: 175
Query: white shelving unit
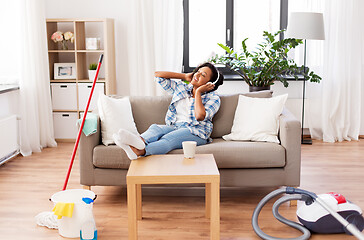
x: 69, y: 96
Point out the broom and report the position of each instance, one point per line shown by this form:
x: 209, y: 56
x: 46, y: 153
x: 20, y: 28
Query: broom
x: 82, y: 123
x: 48, y: 219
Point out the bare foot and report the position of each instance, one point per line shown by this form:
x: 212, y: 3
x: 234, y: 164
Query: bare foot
x: 138, y: 152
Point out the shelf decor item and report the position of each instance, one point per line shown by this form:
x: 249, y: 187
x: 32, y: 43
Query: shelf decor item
x: 64, y: 71
x: 267, y: 63
x: 92, y: 43
x: 63, y: 38
x: 92, y: 71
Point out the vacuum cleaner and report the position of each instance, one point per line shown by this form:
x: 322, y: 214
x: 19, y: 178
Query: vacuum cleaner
x: 324, y: 213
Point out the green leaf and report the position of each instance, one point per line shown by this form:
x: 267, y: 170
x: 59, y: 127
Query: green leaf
x: 226, y: 48
x: 267, y: 54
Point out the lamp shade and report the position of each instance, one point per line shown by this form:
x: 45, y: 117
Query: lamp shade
x: 306, y: 25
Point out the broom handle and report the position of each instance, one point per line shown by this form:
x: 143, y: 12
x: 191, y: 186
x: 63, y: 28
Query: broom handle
x: 82, y: 123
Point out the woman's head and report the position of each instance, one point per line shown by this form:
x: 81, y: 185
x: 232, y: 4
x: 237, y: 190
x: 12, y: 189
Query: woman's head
x: 207, y: 72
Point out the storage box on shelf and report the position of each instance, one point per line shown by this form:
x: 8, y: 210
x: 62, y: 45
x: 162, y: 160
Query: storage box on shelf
x: 65, y: 125
x: 84, y: 90
x: 70, y: 95
x: 64, y: 96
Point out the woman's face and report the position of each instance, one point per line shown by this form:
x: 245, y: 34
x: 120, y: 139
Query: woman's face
x: 201, y: 77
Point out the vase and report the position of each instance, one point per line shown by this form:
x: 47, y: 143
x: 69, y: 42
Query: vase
x: 257, y: 89
x: 64, y: 45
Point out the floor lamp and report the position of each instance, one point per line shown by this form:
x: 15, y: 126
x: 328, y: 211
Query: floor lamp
x: 305, y: 25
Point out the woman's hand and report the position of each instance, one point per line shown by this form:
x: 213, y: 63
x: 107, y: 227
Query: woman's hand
x: 205, y: 88
x: 188, y: 77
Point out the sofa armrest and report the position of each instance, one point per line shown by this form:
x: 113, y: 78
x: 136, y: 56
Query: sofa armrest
x: 290, y: 137
x: 86, y: 150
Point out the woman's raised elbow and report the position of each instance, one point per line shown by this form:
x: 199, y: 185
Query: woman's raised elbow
x: 157, y: 74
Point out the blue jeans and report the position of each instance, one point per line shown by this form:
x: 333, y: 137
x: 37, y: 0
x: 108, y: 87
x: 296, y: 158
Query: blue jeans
x: 161, y: 139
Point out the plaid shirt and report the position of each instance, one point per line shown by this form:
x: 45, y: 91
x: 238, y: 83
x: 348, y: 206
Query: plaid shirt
x: 181, y: 90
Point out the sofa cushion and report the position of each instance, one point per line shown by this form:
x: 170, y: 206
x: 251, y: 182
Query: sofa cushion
x: 228, y: 154
x: 223, y: 119
x: 149, y: 110
x: 243, y: 154
x: 257, y: 119
x: 114, y: 114
x: 110, y: 156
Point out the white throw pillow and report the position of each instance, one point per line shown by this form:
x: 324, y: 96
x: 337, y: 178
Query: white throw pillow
x: 115, y: 113
x: 257, y: 119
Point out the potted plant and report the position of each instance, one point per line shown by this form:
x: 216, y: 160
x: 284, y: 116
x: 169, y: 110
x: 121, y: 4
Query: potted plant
x: 267, y: 64
x: 92, y: 71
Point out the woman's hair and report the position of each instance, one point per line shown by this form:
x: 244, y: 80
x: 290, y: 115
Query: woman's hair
x: 216, y: 77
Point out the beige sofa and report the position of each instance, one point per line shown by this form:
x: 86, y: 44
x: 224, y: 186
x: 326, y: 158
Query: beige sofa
x: 241, y: 163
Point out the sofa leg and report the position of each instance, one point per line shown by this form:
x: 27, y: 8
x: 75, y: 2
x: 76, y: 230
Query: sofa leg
x: 86, y: 187
x: 293, y: 203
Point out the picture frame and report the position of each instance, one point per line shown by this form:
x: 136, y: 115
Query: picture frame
x: 65, y: 71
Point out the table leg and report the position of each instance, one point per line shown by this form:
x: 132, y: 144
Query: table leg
x: 139, y: 201
x: 207, y: 200
x: 215, y: 211
x: 132, y: 211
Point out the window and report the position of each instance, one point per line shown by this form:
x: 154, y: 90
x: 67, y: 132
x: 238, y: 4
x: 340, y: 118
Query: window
x: 205, y: 34
x: 208, y: 22
x: 10, y: 42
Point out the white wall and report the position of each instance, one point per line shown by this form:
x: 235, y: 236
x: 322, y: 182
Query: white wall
x: 119, y: 10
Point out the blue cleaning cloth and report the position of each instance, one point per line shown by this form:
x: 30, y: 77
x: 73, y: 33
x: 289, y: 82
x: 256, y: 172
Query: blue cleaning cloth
x: 90, y: 126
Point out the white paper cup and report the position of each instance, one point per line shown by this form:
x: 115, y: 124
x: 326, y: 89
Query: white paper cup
x: 189, y: 149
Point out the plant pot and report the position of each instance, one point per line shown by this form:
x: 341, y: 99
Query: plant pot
x: 257, y: 89
x: 91, y: 75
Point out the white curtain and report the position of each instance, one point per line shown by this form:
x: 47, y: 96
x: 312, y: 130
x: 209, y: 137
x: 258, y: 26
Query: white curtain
x: 342, y: 69
x: 155, y: 43
x: 36, y: 125
x: 334, y: 105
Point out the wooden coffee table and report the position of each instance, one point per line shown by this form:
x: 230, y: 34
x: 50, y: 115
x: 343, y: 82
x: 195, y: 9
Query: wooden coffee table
x: 174, y: 169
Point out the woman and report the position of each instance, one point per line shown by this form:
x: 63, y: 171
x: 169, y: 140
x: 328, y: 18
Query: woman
x: 189, y: 115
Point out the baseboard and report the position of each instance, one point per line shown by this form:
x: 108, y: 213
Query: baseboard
x: 9, y: 157
x: 309, y: 136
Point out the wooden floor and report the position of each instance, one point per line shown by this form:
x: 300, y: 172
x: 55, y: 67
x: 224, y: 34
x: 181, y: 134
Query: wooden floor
x: 27, y: 183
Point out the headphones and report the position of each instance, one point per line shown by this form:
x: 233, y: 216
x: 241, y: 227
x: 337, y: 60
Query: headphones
x: 218, y: 76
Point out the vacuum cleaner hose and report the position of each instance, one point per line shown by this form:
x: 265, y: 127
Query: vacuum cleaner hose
x: 257, y: 229
x: 279, y: 217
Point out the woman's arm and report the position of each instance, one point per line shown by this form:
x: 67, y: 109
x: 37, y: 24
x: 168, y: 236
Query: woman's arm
x: 200, y: 111
x: 183, y: 76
